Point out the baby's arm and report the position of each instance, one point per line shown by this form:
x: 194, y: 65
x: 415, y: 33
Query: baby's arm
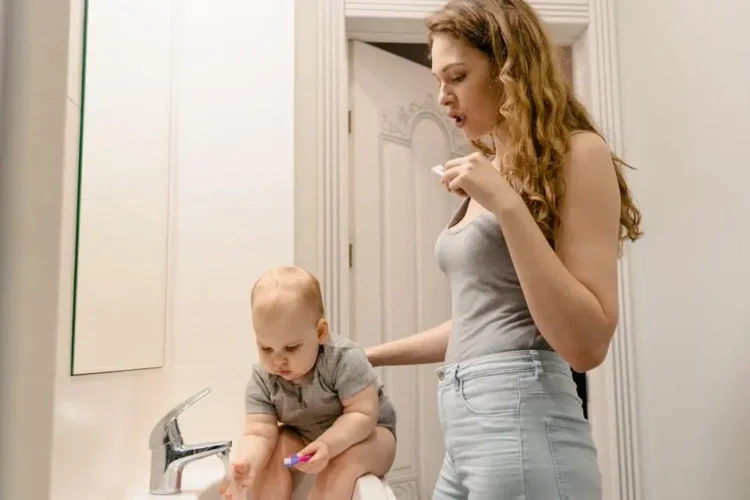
x: 261, y: 428
x: 357, y: 422
x: 258, y: 440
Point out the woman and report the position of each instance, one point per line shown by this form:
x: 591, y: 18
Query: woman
x: 531, y: 256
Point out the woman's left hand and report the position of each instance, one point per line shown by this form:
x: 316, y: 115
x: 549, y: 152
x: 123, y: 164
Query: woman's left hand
x: 476, y: 177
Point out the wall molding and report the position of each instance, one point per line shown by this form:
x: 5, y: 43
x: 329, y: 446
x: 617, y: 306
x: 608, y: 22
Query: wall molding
x: 322, y: 161
x: 569, y: 10
x: 619, y: 393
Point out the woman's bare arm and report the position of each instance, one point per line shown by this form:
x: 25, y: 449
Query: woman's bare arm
x: 426, y: 347
x: 572, y: 290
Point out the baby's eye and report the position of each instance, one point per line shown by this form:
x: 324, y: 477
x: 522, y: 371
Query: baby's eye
x: 292, y: 348
x: 266, y: 349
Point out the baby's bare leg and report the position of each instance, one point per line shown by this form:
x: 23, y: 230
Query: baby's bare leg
x: 275, y: 481
x: 374, y: 455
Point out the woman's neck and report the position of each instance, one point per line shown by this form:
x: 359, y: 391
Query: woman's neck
x: 501, y: 139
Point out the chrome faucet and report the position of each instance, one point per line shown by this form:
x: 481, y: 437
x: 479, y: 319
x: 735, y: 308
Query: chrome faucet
x: 169, y: 454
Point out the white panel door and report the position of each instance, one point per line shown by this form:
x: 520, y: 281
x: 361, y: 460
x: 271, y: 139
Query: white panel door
x: 398, y: 209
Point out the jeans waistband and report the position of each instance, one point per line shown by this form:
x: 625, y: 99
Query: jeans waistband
x: 505, y: 362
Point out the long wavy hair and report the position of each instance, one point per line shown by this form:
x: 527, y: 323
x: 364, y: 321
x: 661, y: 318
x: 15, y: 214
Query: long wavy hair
x: 537, y: 106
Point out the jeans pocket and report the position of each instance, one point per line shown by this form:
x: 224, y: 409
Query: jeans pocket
x: 491, y: 394
x: 574, y: 458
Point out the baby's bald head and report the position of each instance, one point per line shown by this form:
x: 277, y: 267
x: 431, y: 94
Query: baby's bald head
x: 286, y: 290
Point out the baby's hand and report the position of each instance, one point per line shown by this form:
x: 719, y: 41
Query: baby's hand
x: 243, y: 476
x: 229, y: 490
x: 244, y: 473
x: 321, y: 454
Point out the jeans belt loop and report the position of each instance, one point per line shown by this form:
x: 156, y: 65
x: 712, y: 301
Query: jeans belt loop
x: 538, y: 366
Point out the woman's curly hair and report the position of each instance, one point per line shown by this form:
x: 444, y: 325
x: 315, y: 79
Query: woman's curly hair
x: 538, y: 106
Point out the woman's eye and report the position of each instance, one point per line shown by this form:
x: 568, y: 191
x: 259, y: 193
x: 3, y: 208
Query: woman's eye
x: 458, y: 79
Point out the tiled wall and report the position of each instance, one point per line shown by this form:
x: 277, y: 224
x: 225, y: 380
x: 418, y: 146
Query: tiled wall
x: 232, y: 219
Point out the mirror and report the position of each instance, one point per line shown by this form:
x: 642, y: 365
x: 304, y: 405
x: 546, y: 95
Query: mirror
x: 122, y: 242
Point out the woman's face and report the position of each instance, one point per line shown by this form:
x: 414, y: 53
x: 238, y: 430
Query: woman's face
x: 466, y: 92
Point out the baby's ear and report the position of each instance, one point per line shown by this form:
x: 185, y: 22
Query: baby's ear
x: 323, y: 330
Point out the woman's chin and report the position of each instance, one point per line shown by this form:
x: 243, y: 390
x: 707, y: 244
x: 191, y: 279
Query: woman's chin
x: 475, y: 133
x: 472, y: 135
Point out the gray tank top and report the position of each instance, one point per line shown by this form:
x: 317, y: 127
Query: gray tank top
x: 488, y: 308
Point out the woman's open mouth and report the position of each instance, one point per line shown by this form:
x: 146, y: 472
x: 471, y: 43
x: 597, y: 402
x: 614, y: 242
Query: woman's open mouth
x: 458, y: 120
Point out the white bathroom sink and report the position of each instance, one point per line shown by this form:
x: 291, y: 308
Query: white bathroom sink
x: 367, y: 488
x: 201, y: 480
x: 303, y: 484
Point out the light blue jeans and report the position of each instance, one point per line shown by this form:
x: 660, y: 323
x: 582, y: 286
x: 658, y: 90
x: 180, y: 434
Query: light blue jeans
x: 514, y: 430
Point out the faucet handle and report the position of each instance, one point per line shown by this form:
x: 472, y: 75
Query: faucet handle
x: 166, y: 429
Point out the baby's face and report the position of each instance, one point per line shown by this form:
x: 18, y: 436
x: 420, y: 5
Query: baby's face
x: 288, y: 344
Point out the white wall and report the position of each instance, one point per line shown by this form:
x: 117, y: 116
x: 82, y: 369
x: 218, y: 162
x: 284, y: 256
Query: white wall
x: 32, y: 111
x: 685, y: 82
x: 232, y: 219
x: 234, y: 211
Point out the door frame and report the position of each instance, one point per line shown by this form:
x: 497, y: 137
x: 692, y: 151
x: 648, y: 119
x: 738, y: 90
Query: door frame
x: 321, y: 175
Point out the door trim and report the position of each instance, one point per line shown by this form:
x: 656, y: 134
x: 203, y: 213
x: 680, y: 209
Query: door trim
x: 321, y: 165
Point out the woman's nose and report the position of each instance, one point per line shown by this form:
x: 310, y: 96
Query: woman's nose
x: 444, y: 98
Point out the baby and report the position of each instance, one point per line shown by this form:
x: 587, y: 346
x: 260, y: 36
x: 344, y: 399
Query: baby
x: 314, y: 396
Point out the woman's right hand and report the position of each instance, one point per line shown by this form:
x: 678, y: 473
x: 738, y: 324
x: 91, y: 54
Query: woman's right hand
x: 428, y: 346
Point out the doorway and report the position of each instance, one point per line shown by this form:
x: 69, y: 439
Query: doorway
x: 397, y: 209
